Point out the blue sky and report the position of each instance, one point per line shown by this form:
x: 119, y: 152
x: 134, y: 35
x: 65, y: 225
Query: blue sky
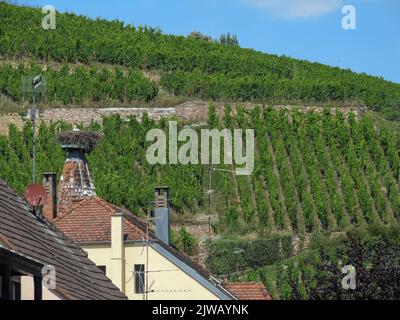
x: 305, y: 29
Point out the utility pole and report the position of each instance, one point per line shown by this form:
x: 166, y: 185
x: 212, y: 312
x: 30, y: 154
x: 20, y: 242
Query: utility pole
x: 147, y: 244
x: 33, y: 118
x: 36, y: 83
x: 147, y: 254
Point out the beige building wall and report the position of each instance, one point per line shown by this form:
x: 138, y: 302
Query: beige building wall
x: 165, y: 278
x: 27, y: 290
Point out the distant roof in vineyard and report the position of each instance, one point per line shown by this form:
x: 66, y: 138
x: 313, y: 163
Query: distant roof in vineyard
x: 85, y: 139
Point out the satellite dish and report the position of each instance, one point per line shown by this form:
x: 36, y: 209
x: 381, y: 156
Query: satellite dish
x: 36, y: 195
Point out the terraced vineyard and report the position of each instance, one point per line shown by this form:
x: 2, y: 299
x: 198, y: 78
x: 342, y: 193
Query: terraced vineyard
x: 325, y: 190
x: 68, y: 86
x: 312, y: 171
x: 317, y: 172
x: 186, y: 66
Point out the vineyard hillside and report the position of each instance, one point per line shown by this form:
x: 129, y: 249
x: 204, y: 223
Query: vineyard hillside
x: 112, y: 54
x: 325, y: 189
x: 312, y: 171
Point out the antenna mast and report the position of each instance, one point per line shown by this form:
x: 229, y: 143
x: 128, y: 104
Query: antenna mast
x: 147, y: 254
x: 210, y: 191
x: 37, y: 83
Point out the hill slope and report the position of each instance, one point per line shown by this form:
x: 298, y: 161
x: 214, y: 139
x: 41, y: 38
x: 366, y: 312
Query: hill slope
x: 187, y: 66
x: 312, y: 171
x: 315, y: 172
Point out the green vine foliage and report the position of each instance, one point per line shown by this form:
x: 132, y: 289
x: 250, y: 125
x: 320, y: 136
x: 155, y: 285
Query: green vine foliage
x: 312, y: 171
x: 317, y: 273
x: 230, y: 256
x: 188, y: 65
x: 79, y: 85
x: 184, y: 241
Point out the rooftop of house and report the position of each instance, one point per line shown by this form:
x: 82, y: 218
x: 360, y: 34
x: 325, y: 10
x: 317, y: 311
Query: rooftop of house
x: 248, y: 290
x: 89, y: 220
x: 86, y: 219
x: 25, y: 234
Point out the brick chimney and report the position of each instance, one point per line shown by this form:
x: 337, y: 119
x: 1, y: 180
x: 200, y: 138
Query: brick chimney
x: 76, y: 182
x: 161, y: 214
x: 50, y: 184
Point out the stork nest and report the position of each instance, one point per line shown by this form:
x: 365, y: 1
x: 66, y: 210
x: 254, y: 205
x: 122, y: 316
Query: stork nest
x: 86, y: 139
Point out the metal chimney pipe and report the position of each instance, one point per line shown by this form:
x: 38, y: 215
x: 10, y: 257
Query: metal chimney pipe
x: 161, y: 214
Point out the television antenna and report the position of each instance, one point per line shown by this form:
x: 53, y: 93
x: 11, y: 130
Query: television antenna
x: 209, y: 193
x: 34, y: 85
x: 146, y: 245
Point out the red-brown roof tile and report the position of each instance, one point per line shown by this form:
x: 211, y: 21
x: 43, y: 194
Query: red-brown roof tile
x: 90, y: 221
x: 248, y: 290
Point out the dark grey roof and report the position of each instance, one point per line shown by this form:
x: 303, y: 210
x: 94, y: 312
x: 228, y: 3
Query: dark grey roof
x: 22, y: 232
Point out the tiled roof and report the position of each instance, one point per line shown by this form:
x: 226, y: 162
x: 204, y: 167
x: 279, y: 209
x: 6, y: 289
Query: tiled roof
x: 248, y: 290
x: 90, y: 221
x: 21, y: 231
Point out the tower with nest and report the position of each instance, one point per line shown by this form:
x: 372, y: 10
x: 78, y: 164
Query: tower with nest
x: 76, y: 182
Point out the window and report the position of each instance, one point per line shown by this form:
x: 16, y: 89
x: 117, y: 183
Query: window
x: 10, y: 284
x: 2, y: 281
x: 15, y: 288
x: 103, y: 268
x: 139, y: 278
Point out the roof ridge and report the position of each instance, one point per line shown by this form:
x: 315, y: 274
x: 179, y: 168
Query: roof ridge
x: 105, y: 204
x: 125, y: 212
x: 100, y: 211
x: 139, y: 223
x: 53, y: 227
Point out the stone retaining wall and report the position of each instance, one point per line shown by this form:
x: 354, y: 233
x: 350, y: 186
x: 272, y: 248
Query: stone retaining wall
x: 193, y: 111
x: 6, y: 119
x: 87, y: 115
